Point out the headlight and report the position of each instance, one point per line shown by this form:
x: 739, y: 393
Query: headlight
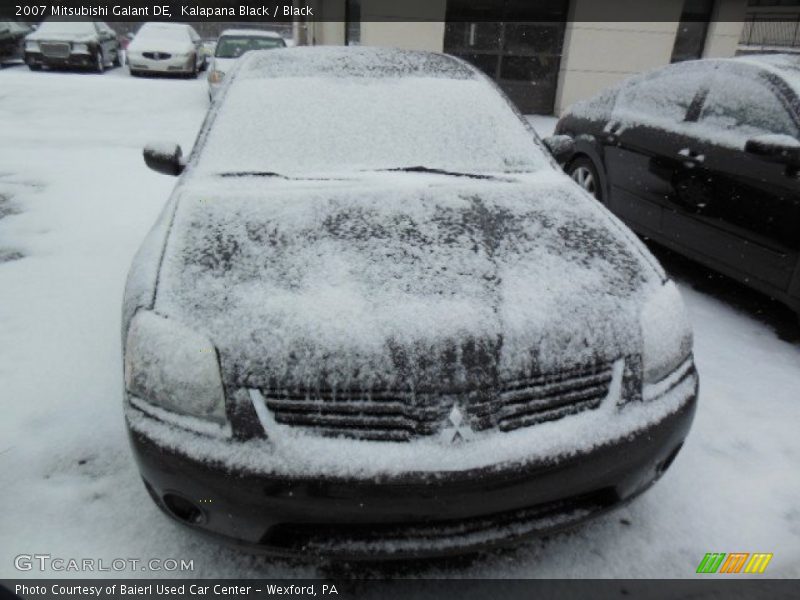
x: 215, y: 77
x: 666, y: 333
x: 171, y: 366
x: 31, y: 46
x: 80, y: 48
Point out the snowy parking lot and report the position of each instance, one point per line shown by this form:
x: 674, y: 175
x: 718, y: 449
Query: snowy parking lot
x: 76, y: 201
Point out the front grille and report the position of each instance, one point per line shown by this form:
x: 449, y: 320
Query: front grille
x: 372, y: 415
x: 55, y: 49
x: 544, y: 398
x: 156, y: 55
x: 387, y: 415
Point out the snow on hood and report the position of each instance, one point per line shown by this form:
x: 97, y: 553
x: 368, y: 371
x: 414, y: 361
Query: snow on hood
x: 402, y: 283
x: 152, y: 44
x: 60, y: 36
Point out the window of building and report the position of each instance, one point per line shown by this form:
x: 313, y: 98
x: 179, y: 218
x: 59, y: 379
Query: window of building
x: 518, y: 43
x: 690, y: 40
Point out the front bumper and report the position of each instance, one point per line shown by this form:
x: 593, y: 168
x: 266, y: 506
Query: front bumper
x: 408, y: 513
x: 82, y: 60
x: 177, y: 65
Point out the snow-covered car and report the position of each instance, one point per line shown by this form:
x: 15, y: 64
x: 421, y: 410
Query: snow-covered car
x: 375, y: 318
x: 166, y: 48
x: 703, y: 157
x: 12, y: 40
x: 74, y: 43
x: 231, y: 45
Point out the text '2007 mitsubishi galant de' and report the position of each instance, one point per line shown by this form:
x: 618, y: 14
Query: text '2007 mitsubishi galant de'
x: 375, y: 319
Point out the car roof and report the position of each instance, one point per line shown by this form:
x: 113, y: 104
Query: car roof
x: 161, y: 25
x: 353, y: 61
x: 785, y: 66
x: 251, y: 32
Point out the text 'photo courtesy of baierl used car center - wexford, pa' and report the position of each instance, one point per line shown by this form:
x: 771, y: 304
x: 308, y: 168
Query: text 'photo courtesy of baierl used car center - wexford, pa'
x: 294, y: 294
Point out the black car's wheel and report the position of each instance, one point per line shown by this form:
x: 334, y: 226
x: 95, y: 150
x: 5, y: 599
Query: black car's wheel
x: 196, y: 71
x: 584, y: 173
x: 117, y: 62
x: 35, y: 67
x: 99, y: 62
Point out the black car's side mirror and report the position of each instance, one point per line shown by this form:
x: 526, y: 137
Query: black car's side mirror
x: 164, y: 158
x: 562, y: 147
x: 775, y: 148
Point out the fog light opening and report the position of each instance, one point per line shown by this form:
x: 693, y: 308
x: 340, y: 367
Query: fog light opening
x: 183, y: 509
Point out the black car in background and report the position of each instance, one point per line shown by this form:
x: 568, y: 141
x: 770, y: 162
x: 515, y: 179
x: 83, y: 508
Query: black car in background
x: 12, y: 40
x: 87, y: 44
x: 704, y: 158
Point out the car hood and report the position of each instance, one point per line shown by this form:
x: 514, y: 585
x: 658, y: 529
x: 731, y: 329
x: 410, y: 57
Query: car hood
x: 60, y: 37
x: 402, y: 283
x: 156, y: 45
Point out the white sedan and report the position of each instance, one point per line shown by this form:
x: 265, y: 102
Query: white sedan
x: 173, y: 48
x: 231, y: 45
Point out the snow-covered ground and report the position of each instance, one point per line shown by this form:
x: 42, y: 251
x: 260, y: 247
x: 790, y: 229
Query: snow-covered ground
x: 76, y: 201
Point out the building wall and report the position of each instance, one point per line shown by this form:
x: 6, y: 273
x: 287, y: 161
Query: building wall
x: 725, y: 28
x: 410, y: 24
x: 406, y: 35
x: 598, y: 54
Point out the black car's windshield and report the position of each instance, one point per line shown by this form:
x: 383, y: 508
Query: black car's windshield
x: 234, y: 46
x: 287, y: 125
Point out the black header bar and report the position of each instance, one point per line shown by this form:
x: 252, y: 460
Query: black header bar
x: 284, y: 11
x: 698, y: 588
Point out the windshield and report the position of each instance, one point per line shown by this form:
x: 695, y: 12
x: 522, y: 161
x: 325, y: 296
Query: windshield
x: 67, y: 27
x: 312, y: 125
x: 235, y: 46
x: 163, y: 33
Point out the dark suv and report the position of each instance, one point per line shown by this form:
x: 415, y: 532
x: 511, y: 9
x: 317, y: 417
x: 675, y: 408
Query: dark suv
x: 703, y: 157
x: 86, y: 44
x: 12, y: 36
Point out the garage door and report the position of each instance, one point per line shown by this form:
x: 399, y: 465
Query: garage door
x: 518, y: 43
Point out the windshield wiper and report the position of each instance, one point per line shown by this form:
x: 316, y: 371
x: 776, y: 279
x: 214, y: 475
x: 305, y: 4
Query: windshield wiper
x: 276, y: 175
x: 254, y: 174
x: 422, y: 169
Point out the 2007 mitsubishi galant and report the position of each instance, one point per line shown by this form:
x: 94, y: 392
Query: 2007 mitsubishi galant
x: 375, y: 319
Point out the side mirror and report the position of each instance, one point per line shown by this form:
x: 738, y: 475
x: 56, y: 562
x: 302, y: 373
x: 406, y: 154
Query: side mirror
x: 562, y: 147
x: 782, y: 149
x: 164, y: 158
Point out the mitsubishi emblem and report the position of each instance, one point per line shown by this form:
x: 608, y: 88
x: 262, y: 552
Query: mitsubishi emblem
x: 456, y: 429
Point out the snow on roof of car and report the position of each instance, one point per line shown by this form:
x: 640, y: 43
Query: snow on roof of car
x: 786, y: 66
x: 251, y: 32
x: 318, y: 61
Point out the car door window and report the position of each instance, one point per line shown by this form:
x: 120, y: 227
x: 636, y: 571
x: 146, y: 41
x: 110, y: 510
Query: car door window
x: 662, y: 98
x: 738, y: 108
